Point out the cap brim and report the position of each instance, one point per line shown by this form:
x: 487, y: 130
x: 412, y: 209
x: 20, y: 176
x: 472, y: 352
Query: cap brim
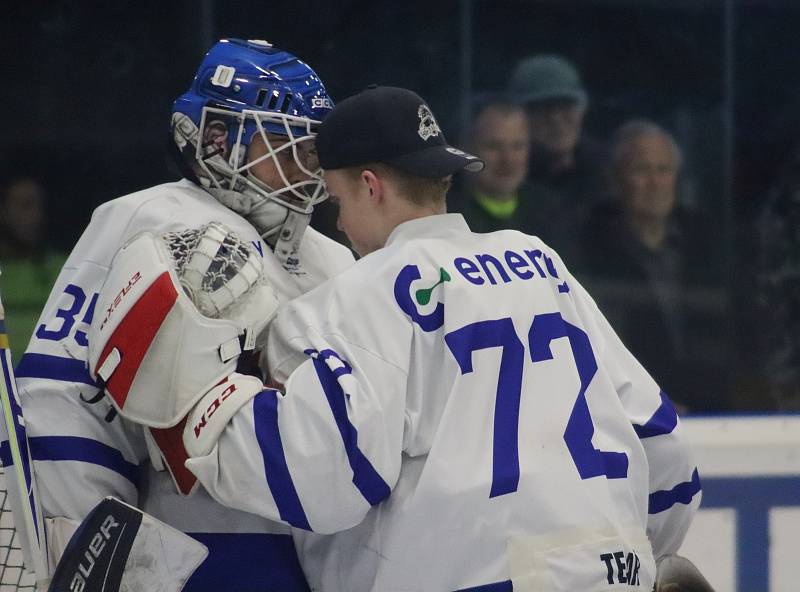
x: 437, y: 162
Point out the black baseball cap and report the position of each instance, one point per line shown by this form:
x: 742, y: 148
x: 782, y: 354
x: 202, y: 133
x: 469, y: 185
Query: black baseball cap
x: 391, y: 125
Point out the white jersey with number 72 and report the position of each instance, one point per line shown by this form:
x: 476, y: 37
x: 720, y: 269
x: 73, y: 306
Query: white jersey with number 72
x: 459, y: 415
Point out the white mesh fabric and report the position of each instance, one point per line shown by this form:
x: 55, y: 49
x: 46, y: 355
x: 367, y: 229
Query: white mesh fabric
x: 216, y: 269
x: 180, y: 245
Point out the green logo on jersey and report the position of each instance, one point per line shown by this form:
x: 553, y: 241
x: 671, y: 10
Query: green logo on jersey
x: 423, y: 296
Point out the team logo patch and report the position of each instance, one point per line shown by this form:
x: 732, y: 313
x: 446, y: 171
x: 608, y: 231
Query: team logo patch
x: 428, y: 127
x: 423, y: 295
x: 419, y: 303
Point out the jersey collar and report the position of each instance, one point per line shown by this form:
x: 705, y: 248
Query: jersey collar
x: 428, y: 227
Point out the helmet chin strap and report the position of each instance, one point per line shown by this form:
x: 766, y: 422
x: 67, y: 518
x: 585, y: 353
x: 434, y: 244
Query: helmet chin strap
x: 281, y: 228
x: 288, y: 239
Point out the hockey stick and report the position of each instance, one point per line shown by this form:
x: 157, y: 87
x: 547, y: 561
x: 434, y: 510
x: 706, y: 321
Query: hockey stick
x: 119, y: 547
x: 20, y: 482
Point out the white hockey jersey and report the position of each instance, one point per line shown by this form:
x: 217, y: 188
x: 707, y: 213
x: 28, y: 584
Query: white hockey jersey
x: 459, y: 415
x: 81, y: 454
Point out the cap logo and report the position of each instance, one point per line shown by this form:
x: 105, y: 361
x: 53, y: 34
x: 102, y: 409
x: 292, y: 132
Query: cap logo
x: 428, y: 127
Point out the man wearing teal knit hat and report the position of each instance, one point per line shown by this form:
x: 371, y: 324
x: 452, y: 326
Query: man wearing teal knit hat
x: 562, y: 158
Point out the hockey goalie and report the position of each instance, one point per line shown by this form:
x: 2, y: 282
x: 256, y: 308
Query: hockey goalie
x: 250, y: 164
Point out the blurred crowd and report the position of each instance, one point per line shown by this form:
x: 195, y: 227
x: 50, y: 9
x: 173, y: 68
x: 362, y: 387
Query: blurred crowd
x: 614, y: 208
x: 28, y: 266
x: 653, y: 259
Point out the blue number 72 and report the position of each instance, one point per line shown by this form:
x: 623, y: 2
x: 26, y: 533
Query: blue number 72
x: 590, y: 461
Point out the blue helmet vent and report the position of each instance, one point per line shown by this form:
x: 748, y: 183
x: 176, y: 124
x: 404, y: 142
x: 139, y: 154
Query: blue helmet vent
x: 262, y: 94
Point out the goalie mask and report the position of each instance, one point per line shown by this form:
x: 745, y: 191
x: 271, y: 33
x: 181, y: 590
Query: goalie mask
x: 178, y: 310
x: 248, y: 92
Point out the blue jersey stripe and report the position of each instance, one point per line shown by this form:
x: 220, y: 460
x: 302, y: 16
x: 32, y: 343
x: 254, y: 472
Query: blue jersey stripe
x: 247, y: 562
x: 663, y: 421
x: 365, y: 477
x: 75, y: 448
x: 18, y: 428
x: 276, y: 469
x: 682, y: 493
x: 54, y: 368
x: 505, y: 586
x: 5, y: 454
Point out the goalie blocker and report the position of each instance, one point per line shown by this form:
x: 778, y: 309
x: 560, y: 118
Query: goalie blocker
x: 199, y: 431
x: 179, y: 310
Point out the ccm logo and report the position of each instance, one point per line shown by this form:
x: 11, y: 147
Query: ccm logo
x: 321, y: 103
x: 115, y: 303
x: 212, y: 408
x: 90, y: 556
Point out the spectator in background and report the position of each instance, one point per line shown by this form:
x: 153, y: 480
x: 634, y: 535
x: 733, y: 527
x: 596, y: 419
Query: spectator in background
x: 29, y: 267
x: 644, y: 260
x: 779, y: 289
x: 562, y: 158
x: 500, y: 197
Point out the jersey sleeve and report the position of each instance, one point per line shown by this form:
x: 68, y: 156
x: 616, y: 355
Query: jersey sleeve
x: 80, y: 456
x: 321, y: 455
x: 81, y: 452
x: 674, y: 483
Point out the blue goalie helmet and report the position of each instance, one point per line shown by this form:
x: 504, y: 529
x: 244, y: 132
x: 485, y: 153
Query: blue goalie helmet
x: 251, y: 102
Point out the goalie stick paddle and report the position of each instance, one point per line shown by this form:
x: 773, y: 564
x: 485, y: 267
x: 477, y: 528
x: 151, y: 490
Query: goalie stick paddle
x: 18, y: 467
x: 95, y: 556
x: 119, y: 547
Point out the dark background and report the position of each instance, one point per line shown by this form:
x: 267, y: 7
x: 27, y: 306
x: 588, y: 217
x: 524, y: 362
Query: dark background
x: 88, y: 86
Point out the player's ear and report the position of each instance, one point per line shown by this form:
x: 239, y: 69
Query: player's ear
x: 374, y: 183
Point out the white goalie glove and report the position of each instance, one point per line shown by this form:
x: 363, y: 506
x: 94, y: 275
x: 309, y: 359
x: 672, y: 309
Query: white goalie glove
x: 178, y: 311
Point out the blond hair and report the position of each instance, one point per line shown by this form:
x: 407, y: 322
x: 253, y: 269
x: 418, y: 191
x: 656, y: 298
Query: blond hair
x: 421, y: 191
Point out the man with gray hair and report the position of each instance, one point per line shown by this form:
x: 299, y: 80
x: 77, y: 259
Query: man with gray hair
x: 641, y: 256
